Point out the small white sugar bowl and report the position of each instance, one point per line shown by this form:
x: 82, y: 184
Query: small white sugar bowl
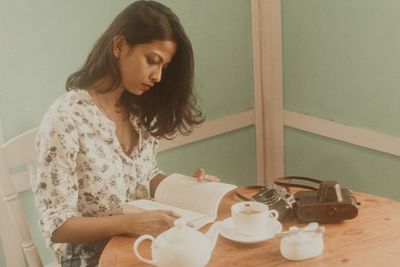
x: 302, y: 243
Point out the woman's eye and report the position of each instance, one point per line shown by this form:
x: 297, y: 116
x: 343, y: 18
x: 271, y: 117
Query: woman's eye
x: 151, y: 61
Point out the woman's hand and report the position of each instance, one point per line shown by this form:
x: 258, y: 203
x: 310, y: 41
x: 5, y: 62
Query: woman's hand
x: 157, y: 221
x: 201, y: 175
x: 151, y: 222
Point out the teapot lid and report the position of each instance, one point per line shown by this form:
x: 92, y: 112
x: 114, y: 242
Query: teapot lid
x: 180, y: 233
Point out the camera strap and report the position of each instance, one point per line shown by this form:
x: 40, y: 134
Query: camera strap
x: 285, y: 182
x: 289, y: 181
x: 242, y: 192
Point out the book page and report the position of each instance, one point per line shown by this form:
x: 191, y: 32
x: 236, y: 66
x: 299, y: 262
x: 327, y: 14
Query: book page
x: 196, y: 219
x: 186, y: 192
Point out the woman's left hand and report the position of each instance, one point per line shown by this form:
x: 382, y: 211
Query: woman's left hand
x: 201, y: 175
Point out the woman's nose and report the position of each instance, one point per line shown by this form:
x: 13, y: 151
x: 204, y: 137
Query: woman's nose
x: 156, y: 75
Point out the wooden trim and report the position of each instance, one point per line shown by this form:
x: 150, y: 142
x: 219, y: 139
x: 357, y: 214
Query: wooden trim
x: 272, y: 92
x: 211, y: 128
x: 258, y: 103
x: 349, y: 134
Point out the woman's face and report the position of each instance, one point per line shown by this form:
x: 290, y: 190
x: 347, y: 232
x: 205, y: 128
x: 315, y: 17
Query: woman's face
x: 141, y: 66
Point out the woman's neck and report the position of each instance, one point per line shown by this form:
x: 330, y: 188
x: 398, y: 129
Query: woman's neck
x: 110, y: 99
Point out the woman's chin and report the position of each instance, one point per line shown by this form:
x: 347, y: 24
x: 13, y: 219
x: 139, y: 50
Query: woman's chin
x: 136, y: 92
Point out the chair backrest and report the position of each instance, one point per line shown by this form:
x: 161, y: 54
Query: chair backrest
x: 8, y: 235
x: 17, y: 152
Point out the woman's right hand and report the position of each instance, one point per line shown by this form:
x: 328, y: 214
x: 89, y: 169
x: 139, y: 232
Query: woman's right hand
x: 151, y: 222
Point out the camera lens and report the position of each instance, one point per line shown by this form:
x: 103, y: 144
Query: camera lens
x: 270, y: 196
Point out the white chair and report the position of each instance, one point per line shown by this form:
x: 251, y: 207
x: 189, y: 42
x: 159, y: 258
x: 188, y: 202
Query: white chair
x: 16, y: 152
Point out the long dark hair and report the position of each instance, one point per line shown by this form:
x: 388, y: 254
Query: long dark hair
x: 171, y: 104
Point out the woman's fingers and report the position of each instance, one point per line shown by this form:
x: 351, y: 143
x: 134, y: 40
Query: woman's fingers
x: 172, y: 216
x: 171, y: 213
x: 201, y: 175
x: 169, y: 216
x: 211, y: 178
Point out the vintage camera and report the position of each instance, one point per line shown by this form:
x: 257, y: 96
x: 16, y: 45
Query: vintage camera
x: 278, y: 199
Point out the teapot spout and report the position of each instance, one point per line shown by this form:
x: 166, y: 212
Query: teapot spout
x: 212, y: 234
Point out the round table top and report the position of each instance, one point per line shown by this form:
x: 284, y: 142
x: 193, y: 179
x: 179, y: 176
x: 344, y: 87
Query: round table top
x: 370, y: 239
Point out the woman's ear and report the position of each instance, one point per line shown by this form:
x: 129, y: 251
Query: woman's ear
x: 117, y: 44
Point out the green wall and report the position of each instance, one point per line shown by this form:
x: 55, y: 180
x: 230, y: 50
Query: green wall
x: 43, y: 41
x: 341, y: 62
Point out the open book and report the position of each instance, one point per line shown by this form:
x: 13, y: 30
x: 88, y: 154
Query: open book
x: 197, y: 202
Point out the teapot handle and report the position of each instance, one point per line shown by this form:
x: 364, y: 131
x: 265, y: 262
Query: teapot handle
x: 136, y: 245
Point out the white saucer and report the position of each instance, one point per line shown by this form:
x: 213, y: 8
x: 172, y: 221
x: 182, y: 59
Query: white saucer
x: 228, y: 231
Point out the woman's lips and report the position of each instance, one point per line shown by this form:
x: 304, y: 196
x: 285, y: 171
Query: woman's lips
x: 147, y: 86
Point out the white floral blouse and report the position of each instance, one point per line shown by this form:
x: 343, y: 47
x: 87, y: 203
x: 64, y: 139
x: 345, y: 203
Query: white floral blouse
x: 82, y: 169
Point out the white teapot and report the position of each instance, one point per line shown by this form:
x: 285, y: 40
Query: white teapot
x: 180, y: 246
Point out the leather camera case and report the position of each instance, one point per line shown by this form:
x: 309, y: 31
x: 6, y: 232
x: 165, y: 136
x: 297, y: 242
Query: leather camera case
x: 323, y: 206
x: 328, y: 203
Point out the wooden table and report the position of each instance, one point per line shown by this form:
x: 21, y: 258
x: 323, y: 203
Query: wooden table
x: 371, y: 239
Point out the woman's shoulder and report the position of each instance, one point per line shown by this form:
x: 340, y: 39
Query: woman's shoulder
x: 61, y: 120
x: 70, y: 99
x: 67, y: 105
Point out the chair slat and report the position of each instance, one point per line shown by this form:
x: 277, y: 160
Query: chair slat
x: 32, y: 256
x: 8, y: 234
x: 20, y: 149
x: 18, y: 218
x: 6, y: 185
x: 9, y: 241
x: 22, y: 182
x: 32, y: 173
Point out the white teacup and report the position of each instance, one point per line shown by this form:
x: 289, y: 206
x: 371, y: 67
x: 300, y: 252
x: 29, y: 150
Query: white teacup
x: 251, y: 217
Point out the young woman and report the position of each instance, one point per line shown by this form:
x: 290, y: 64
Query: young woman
x: 97, y: 143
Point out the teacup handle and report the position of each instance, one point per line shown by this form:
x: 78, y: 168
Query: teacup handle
x: 136, y: 245
x: 274, y: 214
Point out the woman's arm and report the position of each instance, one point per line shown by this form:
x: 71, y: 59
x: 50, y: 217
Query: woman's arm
x: 155, y: 182
x: 90, y: 229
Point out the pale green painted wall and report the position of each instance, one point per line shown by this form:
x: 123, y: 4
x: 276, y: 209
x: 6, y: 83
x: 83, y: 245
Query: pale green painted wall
x: 341, y: 62
x: 43, y: 41
x: 221, y: 154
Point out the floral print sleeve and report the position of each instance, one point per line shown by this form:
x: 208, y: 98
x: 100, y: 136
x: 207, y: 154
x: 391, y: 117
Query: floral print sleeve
x: 56, y: 189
